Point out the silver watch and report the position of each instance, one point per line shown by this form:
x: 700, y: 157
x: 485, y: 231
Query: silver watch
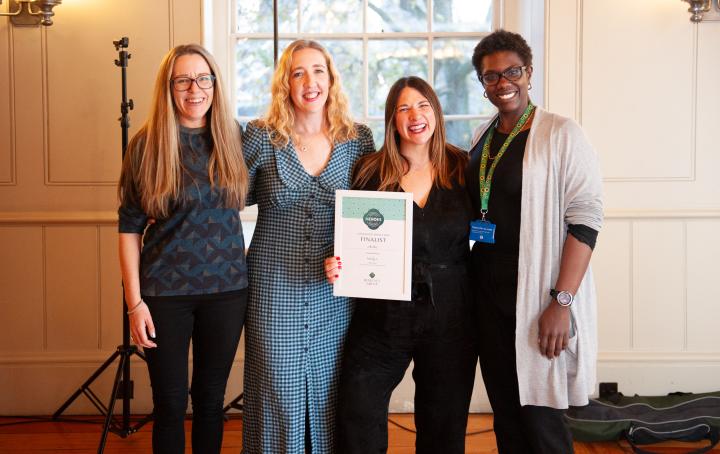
x: 563, y: 297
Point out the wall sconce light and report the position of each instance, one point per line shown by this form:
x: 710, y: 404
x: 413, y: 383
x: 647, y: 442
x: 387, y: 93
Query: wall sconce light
x: 31, y: 12
x: 703, y: 10
x: 698, y: 8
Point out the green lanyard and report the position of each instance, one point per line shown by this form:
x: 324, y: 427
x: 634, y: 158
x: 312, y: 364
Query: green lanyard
x: 486, y: 181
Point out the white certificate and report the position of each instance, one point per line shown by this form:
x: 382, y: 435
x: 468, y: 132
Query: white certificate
x: 373, y: 238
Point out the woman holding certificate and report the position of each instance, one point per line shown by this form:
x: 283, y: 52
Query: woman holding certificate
x: 297, y: 156
x: 434, y: 329
x: 535, y: 185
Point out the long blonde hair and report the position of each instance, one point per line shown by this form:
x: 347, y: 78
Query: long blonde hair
x: 447, y: 160
x: 281, y: 115
x: 152, y: 163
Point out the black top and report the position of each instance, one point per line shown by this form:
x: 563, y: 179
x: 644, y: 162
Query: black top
x: 505, y: 191
x: 199, y: 248
x: 440, y: 244
x: 504, y: 206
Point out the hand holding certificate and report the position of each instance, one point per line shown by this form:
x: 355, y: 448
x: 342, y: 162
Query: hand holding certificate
x: 373, y: 237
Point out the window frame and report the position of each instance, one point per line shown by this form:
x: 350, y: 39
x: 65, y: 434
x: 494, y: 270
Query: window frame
x: 526, y: 16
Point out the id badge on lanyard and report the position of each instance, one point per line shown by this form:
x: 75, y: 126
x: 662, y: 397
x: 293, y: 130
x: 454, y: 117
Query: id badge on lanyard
x: 482, y: 231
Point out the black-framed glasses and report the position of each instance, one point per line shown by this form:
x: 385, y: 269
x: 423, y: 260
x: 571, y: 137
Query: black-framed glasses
x: 512, y: 74
x: 184, y: 83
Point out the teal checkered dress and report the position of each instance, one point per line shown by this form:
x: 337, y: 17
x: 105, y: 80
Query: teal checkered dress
x: 295, y: 328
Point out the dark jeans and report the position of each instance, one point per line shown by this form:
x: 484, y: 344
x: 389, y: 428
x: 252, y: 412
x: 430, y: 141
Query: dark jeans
x: 214, y: 323
x: 518, y: 429
x: 384, y: 337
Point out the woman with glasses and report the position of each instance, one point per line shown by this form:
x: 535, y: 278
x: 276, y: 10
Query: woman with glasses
x: 185, y: 275
x: 435, y: 329
x: 535, y: 185
x: 297, y: 155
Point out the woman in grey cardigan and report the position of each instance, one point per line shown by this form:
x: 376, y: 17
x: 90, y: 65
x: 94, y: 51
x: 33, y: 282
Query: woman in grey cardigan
x: 535, y: 185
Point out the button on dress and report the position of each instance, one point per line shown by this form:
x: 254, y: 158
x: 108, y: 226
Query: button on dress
x: 295, y: 327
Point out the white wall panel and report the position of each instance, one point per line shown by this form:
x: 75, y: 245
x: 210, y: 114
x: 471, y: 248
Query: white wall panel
x: 7, y: 148
x: 111, y: 309
x: 661, y: 375
x: 562, y: 33
x: 612, y: 269
x: 636, y: 57
x: 84, y: 145
x: 71, y: 288
x: 659, y: 285
x: 706, y: 192
x: 703, y: 310
x: 21, y: 295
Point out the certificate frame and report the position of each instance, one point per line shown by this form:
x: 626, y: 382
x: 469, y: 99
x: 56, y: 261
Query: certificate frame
x: 373, y: 238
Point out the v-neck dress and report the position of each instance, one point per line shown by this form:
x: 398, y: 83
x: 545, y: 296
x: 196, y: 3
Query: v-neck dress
x: 295, y: 327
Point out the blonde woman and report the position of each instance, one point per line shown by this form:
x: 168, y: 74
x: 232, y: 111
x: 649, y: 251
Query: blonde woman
x: 297, y: 155
x: 185, y: 275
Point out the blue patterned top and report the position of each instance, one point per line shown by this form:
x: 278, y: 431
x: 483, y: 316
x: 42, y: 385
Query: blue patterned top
x: 199, y: 248
x: 295, y: 328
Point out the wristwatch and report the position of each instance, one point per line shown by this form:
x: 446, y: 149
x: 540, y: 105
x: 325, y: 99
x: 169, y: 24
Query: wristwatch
x: 563, y: 297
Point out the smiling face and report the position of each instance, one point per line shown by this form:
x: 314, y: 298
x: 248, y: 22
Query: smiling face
x: 414, y: 118
x: 309, y: 81
x: 192, y: 105
x: 510, y: 97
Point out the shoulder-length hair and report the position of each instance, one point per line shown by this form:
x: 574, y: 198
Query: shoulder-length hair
x: 152, y: 161
x: 390, y: 166
x: 280, y: 117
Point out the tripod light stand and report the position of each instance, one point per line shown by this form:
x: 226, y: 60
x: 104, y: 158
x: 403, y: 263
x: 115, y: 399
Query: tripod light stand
x: 123, y: 385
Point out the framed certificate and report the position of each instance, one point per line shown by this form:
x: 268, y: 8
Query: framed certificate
x: 373, y: 238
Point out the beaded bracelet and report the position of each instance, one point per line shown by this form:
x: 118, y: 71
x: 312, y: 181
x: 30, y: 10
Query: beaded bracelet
x: 136, y: 307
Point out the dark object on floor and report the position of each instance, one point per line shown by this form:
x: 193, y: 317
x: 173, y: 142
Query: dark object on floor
x: 646, y: 420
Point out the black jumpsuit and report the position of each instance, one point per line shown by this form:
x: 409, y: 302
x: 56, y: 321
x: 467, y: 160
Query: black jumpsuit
x: 435, y: 330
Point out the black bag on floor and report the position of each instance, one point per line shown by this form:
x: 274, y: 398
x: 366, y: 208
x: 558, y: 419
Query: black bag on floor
x: 646, y: 420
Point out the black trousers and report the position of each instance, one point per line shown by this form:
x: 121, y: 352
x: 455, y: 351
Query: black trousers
x: 518, y: 429
x: 214, y: 323
x: 384, y: 337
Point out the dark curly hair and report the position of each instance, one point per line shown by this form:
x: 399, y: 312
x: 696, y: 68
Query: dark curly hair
x: 501, y: 40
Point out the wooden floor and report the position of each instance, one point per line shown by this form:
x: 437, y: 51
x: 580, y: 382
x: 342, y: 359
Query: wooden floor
x: 75, y: 438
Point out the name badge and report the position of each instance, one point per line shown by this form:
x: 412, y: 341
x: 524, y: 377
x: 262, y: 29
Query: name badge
x: 482, y: 231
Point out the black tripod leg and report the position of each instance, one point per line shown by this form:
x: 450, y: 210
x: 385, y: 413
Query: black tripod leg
x: 140, y: 354
x: 86, y: 385
x: 111, y: 404
x: 235, y: 403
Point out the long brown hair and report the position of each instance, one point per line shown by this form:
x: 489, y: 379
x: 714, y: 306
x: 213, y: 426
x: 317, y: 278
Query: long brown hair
x: 281, y: 115
x: 152, y: 163
x: 448, y: 161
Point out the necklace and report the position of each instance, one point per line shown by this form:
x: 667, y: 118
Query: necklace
x: 301, y: 145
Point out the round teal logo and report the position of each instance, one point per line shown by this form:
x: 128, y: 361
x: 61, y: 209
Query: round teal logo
x: 373, y: 219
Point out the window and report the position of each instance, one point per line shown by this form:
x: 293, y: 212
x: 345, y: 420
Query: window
x: 373, y: 43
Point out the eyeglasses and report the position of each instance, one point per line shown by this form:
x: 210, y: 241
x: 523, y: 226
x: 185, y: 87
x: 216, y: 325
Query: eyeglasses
x: 512, y: 74
x: 184, y: 83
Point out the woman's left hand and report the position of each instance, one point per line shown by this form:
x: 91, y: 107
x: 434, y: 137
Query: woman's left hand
x: 333, y: 267
x: 554, y: 330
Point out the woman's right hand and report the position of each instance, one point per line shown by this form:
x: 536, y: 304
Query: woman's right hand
x: 142, y: 328
x: 333, y: 267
